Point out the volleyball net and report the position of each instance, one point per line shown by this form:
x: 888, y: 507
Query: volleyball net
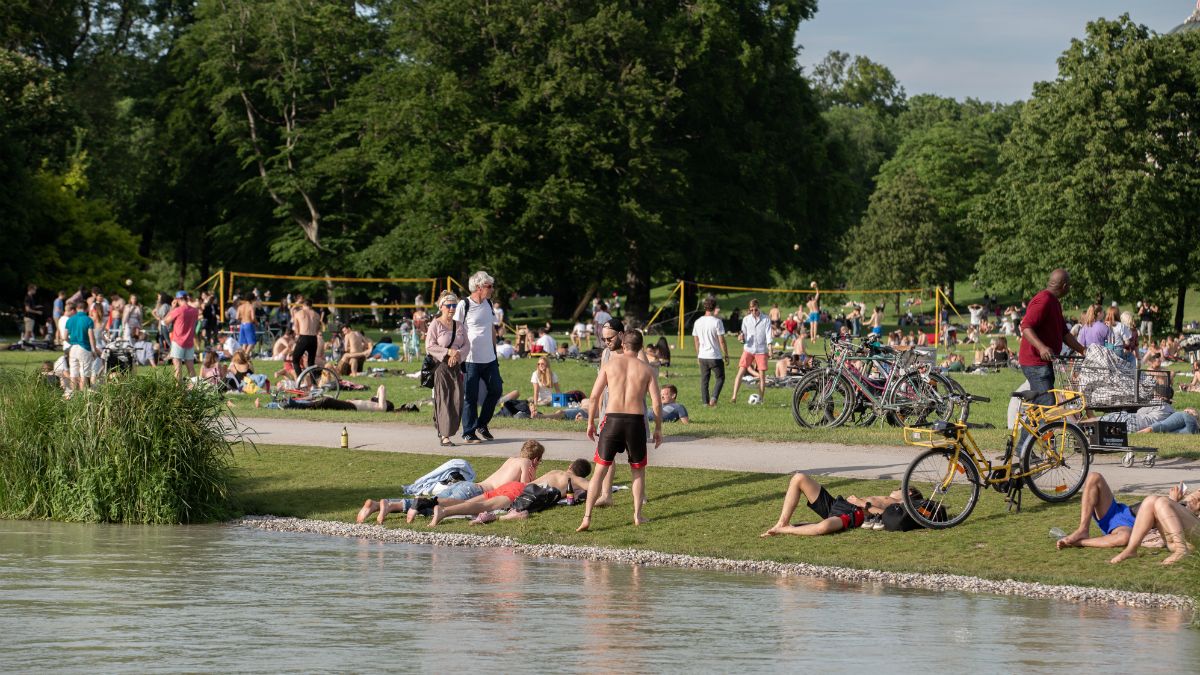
x: 350, y: 293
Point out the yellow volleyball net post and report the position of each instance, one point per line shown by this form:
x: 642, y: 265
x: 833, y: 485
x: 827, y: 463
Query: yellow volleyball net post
x: 939, y: 297
x: 356, y: 287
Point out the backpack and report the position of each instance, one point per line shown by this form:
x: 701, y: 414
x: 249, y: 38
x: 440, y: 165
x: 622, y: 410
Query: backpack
x: 896, y: 519
x: 536, y: 498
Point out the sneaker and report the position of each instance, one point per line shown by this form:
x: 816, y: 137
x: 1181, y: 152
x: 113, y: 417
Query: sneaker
x: 471, y: 439
x: 877, y: 524
x: 868, y: 523
x: 487, y: 435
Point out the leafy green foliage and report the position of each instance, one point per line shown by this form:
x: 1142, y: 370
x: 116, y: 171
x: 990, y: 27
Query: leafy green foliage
x: 1101, y: 171
x: 904, y: 240
x: 137, y: 450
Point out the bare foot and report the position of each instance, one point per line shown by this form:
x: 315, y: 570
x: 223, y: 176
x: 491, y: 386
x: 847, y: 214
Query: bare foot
x: 367, y: 509
x: 771, y: 532
x: 1071, y: 540
x: 258, y: 404
x: 437, y: 516
x: 1123, y: 555
x: 1175, y: 557
x: 411, y: 515
x: 583, y: 526
x: 383, y: 510
x: 513, y: 514
x: 603, y: 502
x: 733, y: 400
x: 381, y: 398
x: 640, y: 520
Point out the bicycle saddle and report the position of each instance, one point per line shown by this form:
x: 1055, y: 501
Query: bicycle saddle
x: 1027, y: 395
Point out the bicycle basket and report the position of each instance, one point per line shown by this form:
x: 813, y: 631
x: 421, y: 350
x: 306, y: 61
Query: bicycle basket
x: 1067, y: 403
x: 937, y: 435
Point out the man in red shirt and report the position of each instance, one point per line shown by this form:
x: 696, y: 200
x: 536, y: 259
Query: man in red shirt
x: 182, y: 320
x: 1043, y: 332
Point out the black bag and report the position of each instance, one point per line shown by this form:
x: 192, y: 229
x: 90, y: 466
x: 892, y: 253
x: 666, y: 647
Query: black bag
x: 536, y: 498
x: 430, y: 364
x: 896, y: 519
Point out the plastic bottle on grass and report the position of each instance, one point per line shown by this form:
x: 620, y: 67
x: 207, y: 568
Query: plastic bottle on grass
x: 1056, y: 533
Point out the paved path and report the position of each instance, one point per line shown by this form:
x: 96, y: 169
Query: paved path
x: 859, y: 461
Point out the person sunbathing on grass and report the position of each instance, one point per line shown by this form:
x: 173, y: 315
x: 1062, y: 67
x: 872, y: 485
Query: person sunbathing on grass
x: 377, y: 403
x: 1114, y: 519
x: 522, y: 468
x: 1176, y: 520
x: 546, y: 491
x: 836, y: 514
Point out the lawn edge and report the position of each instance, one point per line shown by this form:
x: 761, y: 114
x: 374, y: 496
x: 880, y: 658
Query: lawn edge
x: 634, y: 556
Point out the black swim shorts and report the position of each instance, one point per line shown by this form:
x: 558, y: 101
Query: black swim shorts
x: 622, y: 432
x: 827, y: 506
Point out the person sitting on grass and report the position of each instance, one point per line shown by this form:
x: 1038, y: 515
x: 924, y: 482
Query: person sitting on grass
x: 1174, y: 516
x: 672, y: 410
x: 356, y: 349
x: 545, y: 384
x: 282, y: 349
x: 836, y: 514
x: 1114, y: 518
x: 521, y: 468
x: 544, y: 492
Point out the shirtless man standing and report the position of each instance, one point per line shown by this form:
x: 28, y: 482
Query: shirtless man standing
x: 814, y: 313
x: 247, y: 336
x: 306, y: 323
x: 623, y: 428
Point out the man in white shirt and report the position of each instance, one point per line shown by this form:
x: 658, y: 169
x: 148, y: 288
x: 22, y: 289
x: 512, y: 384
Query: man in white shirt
x: 549, y: 344
x: 708, y: 332
x: 756, y: 339
x: 474, y: 314
x: 976, y: 311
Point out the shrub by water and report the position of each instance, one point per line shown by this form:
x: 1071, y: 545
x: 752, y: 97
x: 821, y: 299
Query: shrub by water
x: 136, y: 450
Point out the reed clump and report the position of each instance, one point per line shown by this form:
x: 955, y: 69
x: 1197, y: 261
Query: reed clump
x: 135, y: 450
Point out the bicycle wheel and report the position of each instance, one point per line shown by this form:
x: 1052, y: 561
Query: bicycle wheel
x: 949, y: 485
x: 822, y: 399
x: 918, y: 399
x: 319, y: 381
x: 1057, y: 460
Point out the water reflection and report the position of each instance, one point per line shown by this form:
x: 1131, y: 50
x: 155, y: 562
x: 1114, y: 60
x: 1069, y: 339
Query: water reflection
x: 87, y: 598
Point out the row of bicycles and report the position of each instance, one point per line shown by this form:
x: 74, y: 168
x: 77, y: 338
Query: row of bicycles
x: 1047, y: 449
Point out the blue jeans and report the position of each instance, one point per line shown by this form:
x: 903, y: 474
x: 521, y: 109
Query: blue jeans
x: 1041, y: 379
x: 1178, y: 422
x: 476, y: 415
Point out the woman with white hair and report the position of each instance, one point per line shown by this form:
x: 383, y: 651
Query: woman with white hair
x: 446, y: 342
x: 1129, y: 336
x: 475, y: 314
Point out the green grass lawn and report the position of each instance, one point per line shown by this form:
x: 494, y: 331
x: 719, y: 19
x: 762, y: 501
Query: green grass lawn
x: 769, y: 422
x: 716, y: 513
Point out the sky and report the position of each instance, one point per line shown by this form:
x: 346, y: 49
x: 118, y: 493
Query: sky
x: 992, y: 51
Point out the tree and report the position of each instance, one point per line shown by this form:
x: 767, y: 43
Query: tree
x: 858, y: 82
x: 1102, y: 172
x: 903, y: 241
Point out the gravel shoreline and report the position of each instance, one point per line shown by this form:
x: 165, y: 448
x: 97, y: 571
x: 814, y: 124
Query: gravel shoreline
x: 937, y: 582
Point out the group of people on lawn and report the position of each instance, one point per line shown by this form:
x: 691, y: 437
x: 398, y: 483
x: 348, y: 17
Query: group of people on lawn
x: 616, y: 407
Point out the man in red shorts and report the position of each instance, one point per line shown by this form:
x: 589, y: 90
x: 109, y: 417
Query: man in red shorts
x: 628, y: 379
x: 755, y: 335
x: 492, y: 500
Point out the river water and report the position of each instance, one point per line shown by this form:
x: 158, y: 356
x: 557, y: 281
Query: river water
x: 91, y: 598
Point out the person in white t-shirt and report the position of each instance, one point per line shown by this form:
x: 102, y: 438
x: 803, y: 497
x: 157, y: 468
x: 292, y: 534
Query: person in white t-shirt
x: 504, y: 350
x: 545, y: 384
x: 708, y: 332
x: 475, y: 313
x: 600, y: 318
x: 548, y: 344
x: 977, y: 311
x: 579, y: 333
x: 756, y: 339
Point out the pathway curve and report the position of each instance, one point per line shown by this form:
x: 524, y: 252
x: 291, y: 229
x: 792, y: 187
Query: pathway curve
x: 858, y: 461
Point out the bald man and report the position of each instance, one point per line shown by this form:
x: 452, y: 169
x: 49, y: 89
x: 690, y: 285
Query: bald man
x: 1043, y: 332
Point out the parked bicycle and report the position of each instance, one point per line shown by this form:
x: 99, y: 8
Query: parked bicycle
x: 865, y: 382
x: 1046, y: 451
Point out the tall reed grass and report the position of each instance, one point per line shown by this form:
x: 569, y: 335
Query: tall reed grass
x: 136, y: 450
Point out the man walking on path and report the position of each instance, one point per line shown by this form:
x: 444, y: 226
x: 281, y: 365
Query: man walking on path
x: 708, y: 332
x: 756, y: 338
x: 1043, y: 332
x: 623, y: 429
x: 306, y: 323
x: 475, y: 313
x: 182, y: 320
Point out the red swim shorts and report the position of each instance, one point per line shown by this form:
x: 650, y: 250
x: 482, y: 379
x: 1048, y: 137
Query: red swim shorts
x: 511, y: 490
x: 759, y: 361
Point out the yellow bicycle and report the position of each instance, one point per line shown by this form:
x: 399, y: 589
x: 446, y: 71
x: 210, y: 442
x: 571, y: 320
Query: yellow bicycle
x: 1046, y: 450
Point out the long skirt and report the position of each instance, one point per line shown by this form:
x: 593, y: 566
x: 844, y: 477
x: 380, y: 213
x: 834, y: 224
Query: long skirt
x: 447, y: 399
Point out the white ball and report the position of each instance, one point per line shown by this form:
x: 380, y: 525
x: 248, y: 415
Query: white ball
x: 795, y: 247
x: 754, y: 399
x: 813, y: 285
x: 129, y: 282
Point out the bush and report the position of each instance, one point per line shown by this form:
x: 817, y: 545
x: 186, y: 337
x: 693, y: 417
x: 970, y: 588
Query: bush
x: 136, y: 450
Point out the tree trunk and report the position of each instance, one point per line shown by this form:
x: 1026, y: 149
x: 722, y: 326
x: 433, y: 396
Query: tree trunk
x: 331, y: 297
x: 183, y: 258
x: 1179, y: 308
x: 637, y: 289
x: 691, y: 300
x: 584, y: 301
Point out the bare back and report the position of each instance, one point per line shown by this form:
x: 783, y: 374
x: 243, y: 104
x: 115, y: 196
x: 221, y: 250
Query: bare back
x: 305, y: 322
x: 514, y: 469
x: 245, y: 312
x: 628, y: 380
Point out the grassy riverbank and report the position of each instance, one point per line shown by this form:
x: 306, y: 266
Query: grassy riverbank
x: 717, y: 513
